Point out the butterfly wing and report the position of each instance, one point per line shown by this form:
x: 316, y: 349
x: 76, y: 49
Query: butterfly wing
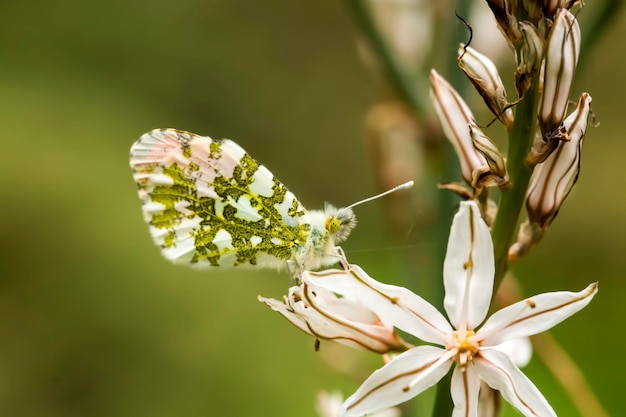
x: 208, y: 203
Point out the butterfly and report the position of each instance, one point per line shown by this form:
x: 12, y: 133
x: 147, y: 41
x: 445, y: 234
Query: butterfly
x: 208, y: 203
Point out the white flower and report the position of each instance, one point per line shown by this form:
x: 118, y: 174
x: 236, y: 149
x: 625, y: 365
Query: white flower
x: 468, y: 281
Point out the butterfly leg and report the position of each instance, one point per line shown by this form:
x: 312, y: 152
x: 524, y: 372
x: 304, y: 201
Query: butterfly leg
x: 295, y: 271
x: 342, y: 259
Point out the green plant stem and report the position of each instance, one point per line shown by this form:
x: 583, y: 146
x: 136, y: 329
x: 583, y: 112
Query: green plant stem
x: 443, y: 402
x: 407, y: 86
x: 512, y: 199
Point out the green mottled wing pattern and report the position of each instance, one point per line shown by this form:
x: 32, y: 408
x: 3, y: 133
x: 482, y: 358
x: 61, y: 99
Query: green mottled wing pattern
x: 208, y: 203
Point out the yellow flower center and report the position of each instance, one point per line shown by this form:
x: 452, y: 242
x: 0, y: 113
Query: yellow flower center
x: 465, y: 346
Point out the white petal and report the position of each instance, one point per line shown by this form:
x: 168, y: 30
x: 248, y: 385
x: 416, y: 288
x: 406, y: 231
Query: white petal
x: 468, y: 269
x: 389, y: 412
x: 497, y: 370
x: 464, y: 389
x: 534, y: 315
x: 286, y: 310
x: 328, y: 404
x: 345, y: 320
x: 396, y: 306
x: 519, y: 350
x: 406, y: 376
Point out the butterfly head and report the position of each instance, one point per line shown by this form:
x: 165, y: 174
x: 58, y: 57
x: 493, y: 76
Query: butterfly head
x: 339, y: 222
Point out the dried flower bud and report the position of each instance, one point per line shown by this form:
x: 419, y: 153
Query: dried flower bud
x: 555, y: 177
x: 457, y: 121
x: 505, y: 11
x: 531, y: 56
x: 528, y: 236
x: 542, y: 147
x: 562, y: 53
x: 483, y: 74
x: 458, y: 189
x: 550, y: 7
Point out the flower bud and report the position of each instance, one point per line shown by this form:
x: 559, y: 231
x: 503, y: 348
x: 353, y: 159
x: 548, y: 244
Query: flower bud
x: 489, y: 401
x: 458, y: 124
x: 555, y: 177
x: 483, y: 74
x: 563, y: 47
x: 542, y: 148
x: 337, y: 317
x: 495, y: 161
x: 531, y: 56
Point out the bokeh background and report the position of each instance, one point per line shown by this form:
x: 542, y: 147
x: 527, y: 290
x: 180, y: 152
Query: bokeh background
x: 93, y: 322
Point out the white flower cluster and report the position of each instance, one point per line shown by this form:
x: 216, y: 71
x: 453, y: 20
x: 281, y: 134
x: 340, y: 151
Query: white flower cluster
x: 483, y: 353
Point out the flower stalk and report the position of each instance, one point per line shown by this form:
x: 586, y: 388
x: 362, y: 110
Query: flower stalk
x: 520, y: 172
x: 546, y: 39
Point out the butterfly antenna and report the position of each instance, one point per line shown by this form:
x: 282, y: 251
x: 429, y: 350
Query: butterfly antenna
x: 404, y: 186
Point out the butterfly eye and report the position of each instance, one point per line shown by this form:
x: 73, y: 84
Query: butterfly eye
x: 333, y: 224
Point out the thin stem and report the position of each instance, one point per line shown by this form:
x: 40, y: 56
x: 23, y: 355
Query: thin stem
x: 408, y: 86
x: 512, y: 199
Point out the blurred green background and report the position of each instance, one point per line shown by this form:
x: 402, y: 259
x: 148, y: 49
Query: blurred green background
x: 93, y: 322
